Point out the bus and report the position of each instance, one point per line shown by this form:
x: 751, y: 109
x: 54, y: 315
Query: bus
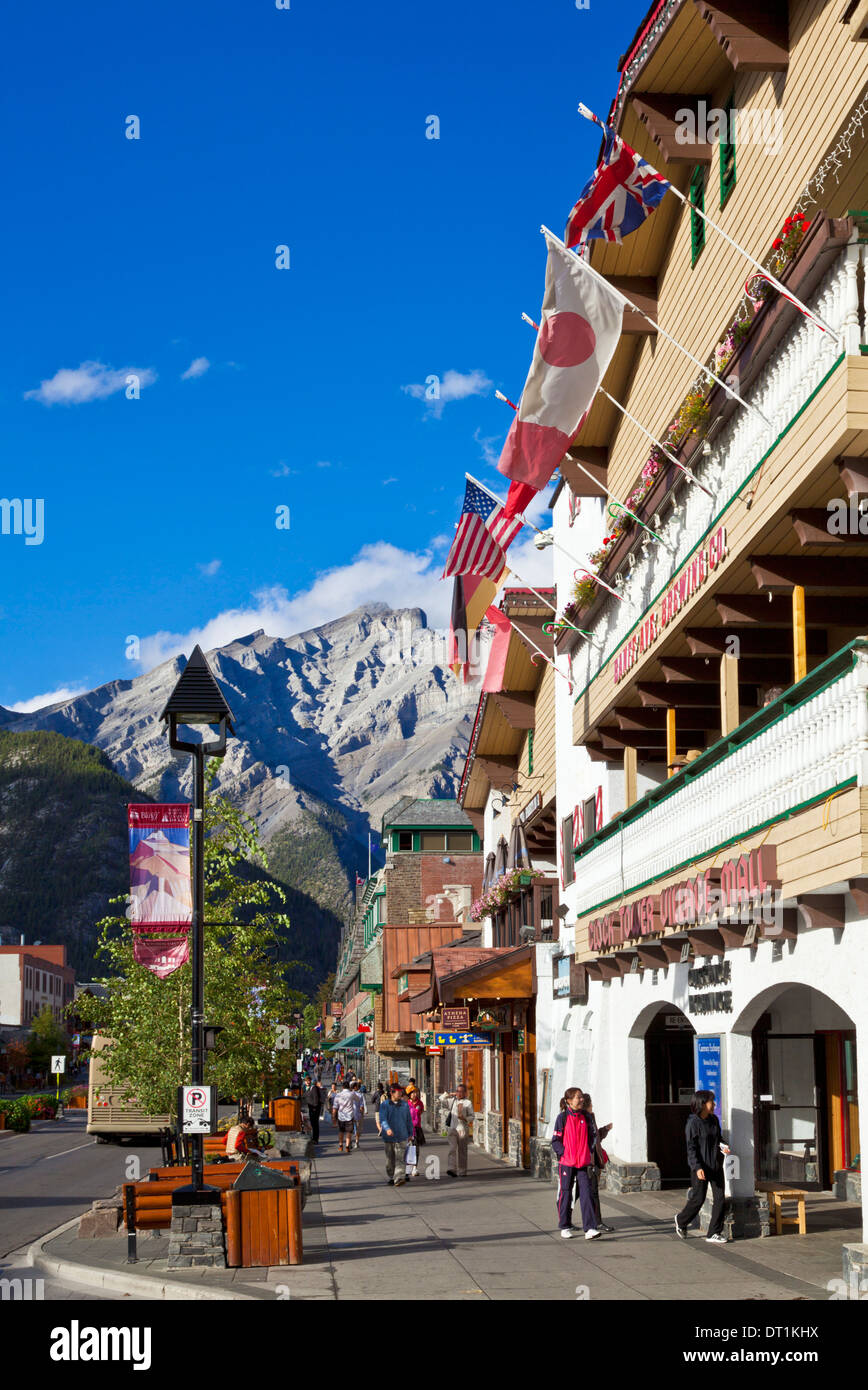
x: 109, y: 1117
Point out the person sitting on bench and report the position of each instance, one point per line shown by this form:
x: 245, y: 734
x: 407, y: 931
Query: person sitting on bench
x: 241, y: 1139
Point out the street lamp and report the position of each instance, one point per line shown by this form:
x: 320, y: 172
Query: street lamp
x: 198, y: 701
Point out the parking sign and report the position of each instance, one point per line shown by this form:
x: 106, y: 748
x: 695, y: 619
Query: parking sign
x: 197, y: 1105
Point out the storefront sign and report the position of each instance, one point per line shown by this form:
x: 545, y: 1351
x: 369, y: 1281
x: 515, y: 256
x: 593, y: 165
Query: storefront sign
x: 720, y: 1002
x: 708, y: 1067
x: 745, y: 883
x: 455, y: 1018
x: 466, y: 1039
x: 692, y: 577
x: 530, y: 809
x: 705, y: 975
x: 636, y: 919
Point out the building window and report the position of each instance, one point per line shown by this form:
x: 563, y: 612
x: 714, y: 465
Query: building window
x: 494, y: 1079
x: 432, y: 841
x: 460, y: 839
x: 405, y: 839
x: 590, y: 816
x: 567, y: 850
x: 727, y: 153
x: 696, y: 194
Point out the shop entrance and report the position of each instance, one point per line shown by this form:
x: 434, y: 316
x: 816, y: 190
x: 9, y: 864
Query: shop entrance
x: 806, y: 1109
x: 669, y: 1089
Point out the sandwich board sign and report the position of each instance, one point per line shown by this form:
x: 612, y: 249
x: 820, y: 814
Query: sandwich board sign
x: 58, y: 1065
x: 197, y: 1106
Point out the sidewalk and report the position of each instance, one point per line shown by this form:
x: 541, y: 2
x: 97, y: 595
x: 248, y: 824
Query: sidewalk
x: 489, y: 1236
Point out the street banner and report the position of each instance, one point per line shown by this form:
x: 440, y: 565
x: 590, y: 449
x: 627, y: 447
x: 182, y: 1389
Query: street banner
x: 162, y: 955
x: 160, y: 891
x: 436, y: 1039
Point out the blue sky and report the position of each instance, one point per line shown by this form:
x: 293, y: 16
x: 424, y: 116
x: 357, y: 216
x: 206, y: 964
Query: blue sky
x: 260, y: 388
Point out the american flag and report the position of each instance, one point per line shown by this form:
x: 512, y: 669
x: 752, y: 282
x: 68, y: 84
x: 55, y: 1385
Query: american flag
x: 484, y: 531
x: 621, y: 193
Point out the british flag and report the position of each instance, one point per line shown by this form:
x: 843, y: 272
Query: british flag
x: 484, y: 531
x: 623, y: 190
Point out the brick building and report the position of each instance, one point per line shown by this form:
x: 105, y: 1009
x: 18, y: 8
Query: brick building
x: 30, y: 978
x: 418, y: 902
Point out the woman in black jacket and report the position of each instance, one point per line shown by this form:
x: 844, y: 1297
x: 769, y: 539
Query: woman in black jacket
x: 705, y: 1148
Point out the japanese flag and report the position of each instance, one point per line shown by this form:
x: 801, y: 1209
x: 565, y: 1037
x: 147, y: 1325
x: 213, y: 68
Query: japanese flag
x: 580, y: 326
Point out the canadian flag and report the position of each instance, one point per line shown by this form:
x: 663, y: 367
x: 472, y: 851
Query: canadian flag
x: 580, y: 325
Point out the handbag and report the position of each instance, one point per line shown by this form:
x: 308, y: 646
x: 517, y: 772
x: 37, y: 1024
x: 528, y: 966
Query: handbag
x: 410, y: 1155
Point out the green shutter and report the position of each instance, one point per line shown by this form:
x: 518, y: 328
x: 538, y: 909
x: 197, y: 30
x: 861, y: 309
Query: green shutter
x: 697, y: 224
x: 727, y: 154
x: 530, y: 754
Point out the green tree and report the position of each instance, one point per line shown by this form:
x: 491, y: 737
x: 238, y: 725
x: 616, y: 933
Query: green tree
x: 324, y: 995
x: 148, y: 1020
x: 47, y: 1039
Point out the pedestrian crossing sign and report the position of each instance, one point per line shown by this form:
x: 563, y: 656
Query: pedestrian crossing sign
x: 58, y: 1065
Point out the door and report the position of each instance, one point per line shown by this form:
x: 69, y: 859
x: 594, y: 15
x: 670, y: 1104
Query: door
x: 669, y: 1086
x: 791, y: 1144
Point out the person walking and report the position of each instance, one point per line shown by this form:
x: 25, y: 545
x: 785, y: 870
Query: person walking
x: 458, y: 1118
x: 359, y: 1111
x: 573, y: 1141
x: 314, y: 1108
x: 331, y: 1096
x: 705, y: 1148
x: 396, y: 1132
x: 345, y: 1109
x: 417, y: 1109
x: 601, y: 1158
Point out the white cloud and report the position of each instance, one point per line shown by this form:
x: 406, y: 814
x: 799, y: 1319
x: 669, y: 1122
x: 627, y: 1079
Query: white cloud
x: 387, y: 481
x: 380, y: 572
x: 283, y: 470
x: 438, y: 392
x: 91, y: 381
x: 198, y: 367
x: 490, y: 446
x: 54, y: 697
x: 210, y: 568
x: 324, y: 463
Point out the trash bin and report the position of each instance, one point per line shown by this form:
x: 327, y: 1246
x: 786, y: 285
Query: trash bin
x: 263, y: 1219
x: 287, y: 1112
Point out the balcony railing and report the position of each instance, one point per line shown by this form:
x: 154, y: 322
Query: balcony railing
x: 800, y: 364
x: 797, y: 749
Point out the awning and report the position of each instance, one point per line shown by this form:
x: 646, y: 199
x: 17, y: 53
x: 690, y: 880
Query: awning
x: 355, y: 1043
x: 509, y: 975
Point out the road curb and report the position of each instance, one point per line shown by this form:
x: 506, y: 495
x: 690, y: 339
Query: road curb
x: 141, y: 1286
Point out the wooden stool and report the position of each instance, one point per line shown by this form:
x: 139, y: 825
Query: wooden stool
x: 779, y: 1195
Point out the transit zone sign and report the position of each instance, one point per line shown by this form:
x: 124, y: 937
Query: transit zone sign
x: 196, y: 1106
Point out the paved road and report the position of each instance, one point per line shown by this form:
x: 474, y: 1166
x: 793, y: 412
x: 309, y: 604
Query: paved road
x: 54, y: 1173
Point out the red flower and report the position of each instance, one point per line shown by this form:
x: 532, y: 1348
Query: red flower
x: 777, y: 244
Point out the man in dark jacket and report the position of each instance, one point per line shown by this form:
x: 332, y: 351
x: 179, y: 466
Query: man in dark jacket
x: 396, y: 1132
x: 705, y: 1148
x: 314, y: 1108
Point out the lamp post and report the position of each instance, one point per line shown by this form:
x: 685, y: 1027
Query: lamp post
x: 198, y: 701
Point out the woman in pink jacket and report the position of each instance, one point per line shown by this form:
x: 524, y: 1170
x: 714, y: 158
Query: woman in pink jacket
x: 417, y: 1109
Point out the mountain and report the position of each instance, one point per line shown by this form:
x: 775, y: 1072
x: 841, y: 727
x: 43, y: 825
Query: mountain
x: 332, y: 727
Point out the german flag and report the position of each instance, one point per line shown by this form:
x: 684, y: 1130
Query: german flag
x: 471, y: 596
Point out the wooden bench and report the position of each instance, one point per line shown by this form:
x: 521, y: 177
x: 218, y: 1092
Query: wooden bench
x: 779, y: 1195
x: 214, y: 1171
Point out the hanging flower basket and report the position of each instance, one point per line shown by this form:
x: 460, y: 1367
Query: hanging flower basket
x: 501, y: 891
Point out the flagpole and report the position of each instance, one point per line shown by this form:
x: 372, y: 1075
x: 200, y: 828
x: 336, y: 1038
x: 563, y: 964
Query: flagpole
x: 539, y: 650
x: 369, y: 854
x: 656, y: 442
x: 648, y: 435
x: 572, y: 559
x: 613, y: 500
x: 809, y: 313
x: 628, y: 304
